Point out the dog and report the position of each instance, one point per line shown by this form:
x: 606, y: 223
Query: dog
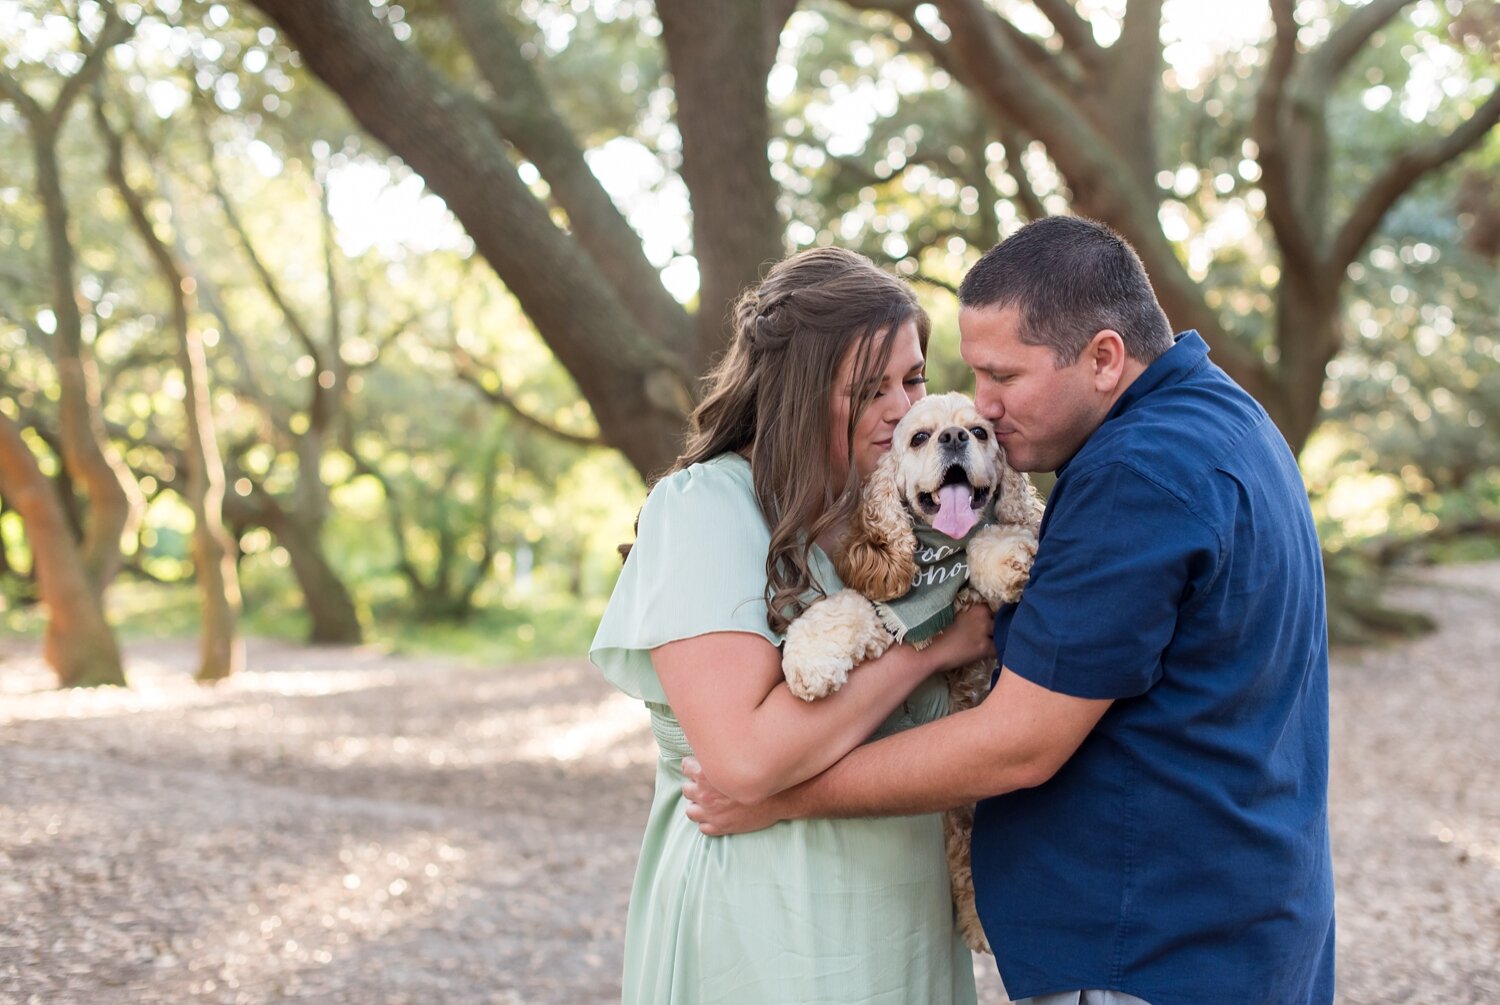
x: 944, y: 523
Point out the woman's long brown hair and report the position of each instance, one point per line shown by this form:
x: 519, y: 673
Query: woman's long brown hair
x: 770, y: 396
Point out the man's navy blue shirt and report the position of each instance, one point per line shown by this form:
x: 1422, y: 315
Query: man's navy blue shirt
x: 1181, y: 855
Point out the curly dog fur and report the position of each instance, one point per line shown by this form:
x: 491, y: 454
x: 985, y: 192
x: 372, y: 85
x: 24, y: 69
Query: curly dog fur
x: 877, y: 562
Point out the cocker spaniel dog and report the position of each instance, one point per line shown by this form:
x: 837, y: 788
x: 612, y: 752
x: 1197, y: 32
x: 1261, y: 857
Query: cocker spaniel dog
x: 944, y: 523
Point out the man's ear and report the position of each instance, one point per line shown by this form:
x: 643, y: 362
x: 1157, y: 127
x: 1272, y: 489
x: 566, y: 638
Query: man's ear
x: 1106, y: 355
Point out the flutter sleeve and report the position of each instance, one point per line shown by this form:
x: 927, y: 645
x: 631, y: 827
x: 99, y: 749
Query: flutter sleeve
x: 698, y: 566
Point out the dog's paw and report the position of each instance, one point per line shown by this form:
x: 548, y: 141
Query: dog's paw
x: 1000, y: 562
x: 828, y: 640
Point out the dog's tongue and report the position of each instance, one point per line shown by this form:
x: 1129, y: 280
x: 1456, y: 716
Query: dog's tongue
x: 954, y: 517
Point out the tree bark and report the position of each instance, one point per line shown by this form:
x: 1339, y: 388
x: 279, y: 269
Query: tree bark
x: 6, y: 568
x: 1094, y: 113
x: 720, y: 52
x: 115, y: 505
x: 1091, y: 106
x: 639, y: 389
x: 221, y: 651
x: 298, y: 522
x: 524, y: 115
x: 79, y: 644
x: 333, y: 617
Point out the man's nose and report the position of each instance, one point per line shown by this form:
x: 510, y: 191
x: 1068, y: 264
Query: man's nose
x: 988, y: 403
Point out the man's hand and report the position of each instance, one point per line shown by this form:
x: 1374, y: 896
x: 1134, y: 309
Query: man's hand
x: 715, y: 813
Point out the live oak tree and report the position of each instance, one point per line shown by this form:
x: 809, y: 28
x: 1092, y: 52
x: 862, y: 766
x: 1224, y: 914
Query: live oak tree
x: 221, y: 651
x: 918, y: 133
x: 72, y: 573
x: 474, y: 128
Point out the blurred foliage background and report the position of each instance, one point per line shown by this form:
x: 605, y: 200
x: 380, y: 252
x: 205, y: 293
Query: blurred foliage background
x: 421, y: 448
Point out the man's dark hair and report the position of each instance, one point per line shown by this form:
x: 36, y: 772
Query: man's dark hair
x: 1070, y: 278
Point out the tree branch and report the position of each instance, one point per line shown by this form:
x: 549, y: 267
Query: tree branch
x: 468, y: 370
x: 385, y: 341
x: 525, y: 115
x: 1039, y: 60
x: 268, y: 282
x: 1401, y: 174
x: 996, y: 73
x: 1297, y: 251
x: 1032, y: 206
x: 1332, y: 57
x: 397, y: 516
x: 277, y: 416
x: 1075, y: 31
x: 1125, y: 102
x: 11, y: 90
x: 116, y: 30
x: 323, y: 402
x: 481, y: 568
x: 640, y: 387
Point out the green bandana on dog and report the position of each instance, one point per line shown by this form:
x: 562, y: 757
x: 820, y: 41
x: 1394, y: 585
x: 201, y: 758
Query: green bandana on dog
x: 942, y: 570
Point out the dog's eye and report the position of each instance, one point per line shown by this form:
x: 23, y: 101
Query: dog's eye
x: 920, y: 438
x: 980, y: 433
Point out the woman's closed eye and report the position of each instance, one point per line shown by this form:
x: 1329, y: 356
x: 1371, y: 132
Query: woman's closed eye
x: 916, y: 381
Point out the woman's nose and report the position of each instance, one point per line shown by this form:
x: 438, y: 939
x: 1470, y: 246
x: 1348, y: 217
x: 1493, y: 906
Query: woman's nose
x: 901, y: 403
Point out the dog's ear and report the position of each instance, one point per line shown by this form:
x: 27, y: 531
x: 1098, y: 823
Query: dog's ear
x: 1019, y: 502
x: 878, y: 557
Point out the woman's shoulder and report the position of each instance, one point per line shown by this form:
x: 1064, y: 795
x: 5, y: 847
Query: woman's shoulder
x: 709, y: 504
x: 723, y: 472
x: 721, y: 481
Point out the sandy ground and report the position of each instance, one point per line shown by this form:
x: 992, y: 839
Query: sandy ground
x: 345, y: 826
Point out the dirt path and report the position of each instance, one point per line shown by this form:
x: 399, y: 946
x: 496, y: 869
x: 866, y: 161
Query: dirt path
x: 343, y: 826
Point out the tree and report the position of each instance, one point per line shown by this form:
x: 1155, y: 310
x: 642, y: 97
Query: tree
x: 297, y: 517
x: 478, y: 123
x: 72, y: 576
x: 221, y: 651
x: 587, y: 286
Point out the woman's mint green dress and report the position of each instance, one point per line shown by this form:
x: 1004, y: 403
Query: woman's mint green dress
x: 807, y: 911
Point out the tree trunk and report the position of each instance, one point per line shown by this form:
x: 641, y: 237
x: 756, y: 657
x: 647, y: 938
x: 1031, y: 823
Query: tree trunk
x: 720, y: 52
x: 79, y: 644
x: 331, y: 610
x: 1309, y: 335
x: 115, y: 503
x: 638, y: 387
x: 5, y: 566
x: 221, y: 652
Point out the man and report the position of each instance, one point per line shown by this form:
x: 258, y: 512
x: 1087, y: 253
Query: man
x: 1152, y: 760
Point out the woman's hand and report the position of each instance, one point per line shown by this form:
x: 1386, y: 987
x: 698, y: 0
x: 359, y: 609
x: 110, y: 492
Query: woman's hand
x: 715, y: 813
x: 969, y: 639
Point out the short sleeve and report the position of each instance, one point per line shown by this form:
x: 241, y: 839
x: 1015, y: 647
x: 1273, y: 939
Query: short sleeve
x: 698, y: 565
x: 1119, y: 555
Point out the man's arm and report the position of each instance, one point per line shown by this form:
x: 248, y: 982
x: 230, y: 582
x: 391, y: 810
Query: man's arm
x: 1016, y: 738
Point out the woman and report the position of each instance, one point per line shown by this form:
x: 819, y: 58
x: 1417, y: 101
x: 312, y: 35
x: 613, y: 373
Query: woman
x: 827, y: 356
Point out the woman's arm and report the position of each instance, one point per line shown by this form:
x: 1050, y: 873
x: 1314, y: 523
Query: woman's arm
x: 755, y: 738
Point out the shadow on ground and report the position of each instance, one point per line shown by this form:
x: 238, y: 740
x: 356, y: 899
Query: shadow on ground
x: 340, y: 825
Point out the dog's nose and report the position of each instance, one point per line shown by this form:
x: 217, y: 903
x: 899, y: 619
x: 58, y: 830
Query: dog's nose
x: 953, y: 436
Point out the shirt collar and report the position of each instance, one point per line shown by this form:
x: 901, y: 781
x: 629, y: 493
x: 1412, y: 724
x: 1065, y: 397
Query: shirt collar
x: 1188, y: 350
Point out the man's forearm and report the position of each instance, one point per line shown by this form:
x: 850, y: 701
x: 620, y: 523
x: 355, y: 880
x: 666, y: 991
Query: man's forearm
x: 951, y: 762
x: 1016, y: 738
